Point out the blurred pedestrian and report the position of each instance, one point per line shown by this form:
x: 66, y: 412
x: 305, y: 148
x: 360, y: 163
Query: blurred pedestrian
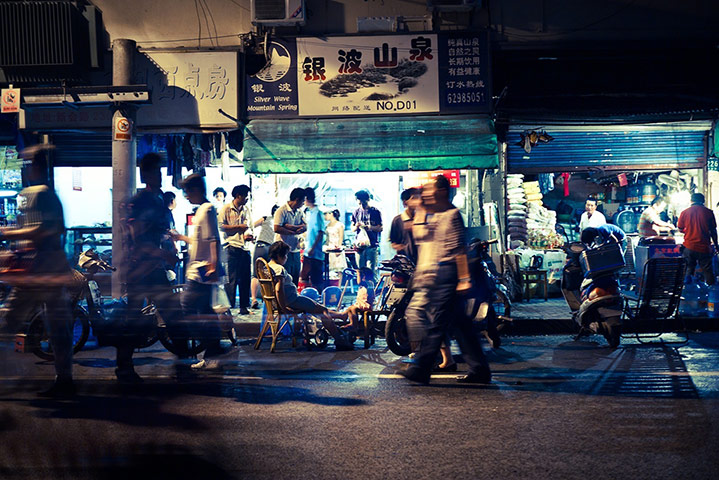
x: 367, y: 219
x: 148, y: 222
x: 262, y: 250
x: 700, y: 232
x: 219, y: 195
x: 204, y: 269
x: 167, y: 242
x: 314, y: 258
x: 236, y: 222
x: 441, y: 278
x: 289, y: 226
x: 40, y: 228
x: 400, y: 233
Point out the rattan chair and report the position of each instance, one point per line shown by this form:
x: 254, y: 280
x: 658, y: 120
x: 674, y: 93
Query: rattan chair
x: 278, y: 314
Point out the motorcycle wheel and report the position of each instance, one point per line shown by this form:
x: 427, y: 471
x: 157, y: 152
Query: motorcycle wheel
x: 40, y: 337
x: 320, y: 338
x: 181, y: 348
x: 396, y: 333
x: 613, y: 334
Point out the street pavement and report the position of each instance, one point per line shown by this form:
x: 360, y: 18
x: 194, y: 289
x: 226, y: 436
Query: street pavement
x: 557, y: 409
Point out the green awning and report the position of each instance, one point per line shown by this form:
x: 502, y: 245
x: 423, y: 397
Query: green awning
x: 369, y: 144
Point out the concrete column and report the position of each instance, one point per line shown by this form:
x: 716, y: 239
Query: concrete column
x: 123, y: 161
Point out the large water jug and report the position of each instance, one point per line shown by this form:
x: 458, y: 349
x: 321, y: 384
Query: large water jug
x: 713, y: 301
x: 703, y: 296
x: 689, y: 305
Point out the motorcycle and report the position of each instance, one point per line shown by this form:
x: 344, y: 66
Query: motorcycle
x: 489, y: 304
x: 592, y: 294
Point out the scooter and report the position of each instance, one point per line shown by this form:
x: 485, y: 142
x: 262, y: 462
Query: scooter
x: 395, y: 300
x: 593, y: 295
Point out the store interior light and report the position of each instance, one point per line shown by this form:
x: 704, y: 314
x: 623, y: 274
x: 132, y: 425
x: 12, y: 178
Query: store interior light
x: 680, y: 199
x: 7, y: 193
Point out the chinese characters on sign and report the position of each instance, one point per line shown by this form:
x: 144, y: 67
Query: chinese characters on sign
x: 375, y: 75
x: 464, y: 79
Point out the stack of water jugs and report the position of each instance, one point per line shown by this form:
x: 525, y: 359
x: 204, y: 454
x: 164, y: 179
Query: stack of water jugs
x: 699, y: 299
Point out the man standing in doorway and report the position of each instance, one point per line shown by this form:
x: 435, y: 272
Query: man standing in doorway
x: 314, y: 261
x: 369, y: 219
x: 235, y: 221
x: 289, y: 225
x: 591, y: 217
x: 400, y: 233
x: 700, y: 231
x: 650, y: 223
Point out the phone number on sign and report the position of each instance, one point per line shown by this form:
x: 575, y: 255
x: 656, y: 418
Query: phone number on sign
x: 465, y: 97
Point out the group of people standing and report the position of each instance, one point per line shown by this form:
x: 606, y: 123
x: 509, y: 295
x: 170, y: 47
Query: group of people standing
x: 697, y: 223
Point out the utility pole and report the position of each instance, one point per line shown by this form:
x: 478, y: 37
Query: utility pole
x: 124, y: 161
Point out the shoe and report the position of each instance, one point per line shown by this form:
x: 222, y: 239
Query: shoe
x: 448, y: 368
x: 244, y: 311
x: 128, y: 376
x: 413, y: 374
x: 59, y: 389
x: 256, y: 305
x: 206, y: 364
x: 484, y: 377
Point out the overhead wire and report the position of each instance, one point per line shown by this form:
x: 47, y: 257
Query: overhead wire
x: 199, y: 26
x: 207, y: 22
x: 212, y: 19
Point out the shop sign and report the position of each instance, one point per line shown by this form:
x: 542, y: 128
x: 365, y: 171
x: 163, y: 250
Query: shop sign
x: 188, y: 88
x: 373, y: 75
x: 122, y: 129
x: 10, y: 100
x: 273, y: 91
x: 415, y: 179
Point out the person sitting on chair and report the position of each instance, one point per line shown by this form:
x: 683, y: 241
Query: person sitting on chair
x: 278, y: 257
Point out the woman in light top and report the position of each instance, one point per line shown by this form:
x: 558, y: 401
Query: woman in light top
x: 335, y: 241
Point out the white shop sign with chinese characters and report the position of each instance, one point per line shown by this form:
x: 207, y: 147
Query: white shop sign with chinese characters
x: 189, y: 88
x: 368, y: 75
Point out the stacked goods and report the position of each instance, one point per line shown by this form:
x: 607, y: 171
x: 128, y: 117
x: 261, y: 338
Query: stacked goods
x: 534, y: 194
x: 541, y: 224
x: 516, y: 208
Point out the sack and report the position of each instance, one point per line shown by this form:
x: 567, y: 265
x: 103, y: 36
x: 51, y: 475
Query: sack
x: 362, y: 239
x: 220, y: 301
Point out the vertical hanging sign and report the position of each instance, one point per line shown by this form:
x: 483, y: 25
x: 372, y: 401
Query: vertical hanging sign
x: 10, y: 100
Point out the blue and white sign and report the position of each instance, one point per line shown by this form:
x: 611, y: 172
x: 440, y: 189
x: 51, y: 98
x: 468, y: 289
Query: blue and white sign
x: 273, y: 91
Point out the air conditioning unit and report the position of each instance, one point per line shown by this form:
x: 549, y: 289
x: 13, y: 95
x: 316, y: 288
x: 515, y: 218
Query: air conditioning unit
x: 454, y: 5
x: 277, y: 12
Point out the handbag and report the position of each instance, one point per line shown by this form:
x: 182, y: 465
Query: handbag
x: 220, y: 301
x: 362, y: 239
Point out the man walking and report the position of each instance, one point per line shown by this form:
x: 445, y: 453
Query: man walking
x: 700, y: 231
x: 289, y: 225
x: 400, y: 233
x: 442, y: 275
x: 314, y: 261
x: 40, y: 228
x: 235, y: 221
x: 369, y: 219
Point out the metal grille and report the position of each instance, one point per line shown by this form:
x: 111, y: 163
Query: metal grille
x: 36, y: 33
x: 269, y: 9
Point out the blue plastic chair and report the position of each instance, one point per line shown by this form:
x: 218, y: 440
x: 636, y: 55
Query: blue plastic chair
x: 311, y: 293
x: 331, y: 297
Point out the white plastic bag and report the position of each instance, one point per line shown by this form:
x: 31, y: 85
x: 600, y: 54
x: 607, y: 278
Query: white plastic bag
x: 362, y: 239
x: 220, y: 301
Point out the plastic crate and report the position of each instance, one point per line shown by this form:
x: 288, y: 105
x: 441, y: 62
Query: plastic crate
x: 602, y: 260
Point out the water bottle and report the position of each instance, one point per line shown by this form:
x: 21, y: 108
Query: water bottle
x: 703, y: 296
x: 713, y: 301
x: 689, y: 304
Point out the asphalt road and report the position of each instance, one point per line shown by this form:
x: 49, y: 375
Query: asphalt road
x: 557, y: 409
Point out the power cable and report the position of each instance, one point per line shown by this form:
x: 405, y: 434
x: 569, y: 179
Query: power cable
x: 207, y: 22
x: 212, y: 19
x: 199, y: 26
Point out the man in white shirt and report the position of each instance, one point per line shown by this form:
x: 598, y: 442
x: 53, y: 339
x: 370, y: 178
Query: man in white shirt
x: 236, y: 222
x: 289, y: 226
x: 591, y: 217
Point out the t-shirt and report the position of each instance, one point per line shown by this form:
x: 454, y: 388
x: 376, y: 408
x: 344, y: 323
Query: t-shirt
x: 440, y: 240
x: 401, y: 232
x: 597, y: 219
x: 232, y: 216
x: 267, y: 232
x: 286, y: 216
x: 205, y: 237
x: 607, y: 230
x: 149, y: 218
x: 649, y: 217
x: 288, y: 286
x: 38, y: 205
x: 698, y: 223
x: 315, y: 225
x: 369, y: 216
